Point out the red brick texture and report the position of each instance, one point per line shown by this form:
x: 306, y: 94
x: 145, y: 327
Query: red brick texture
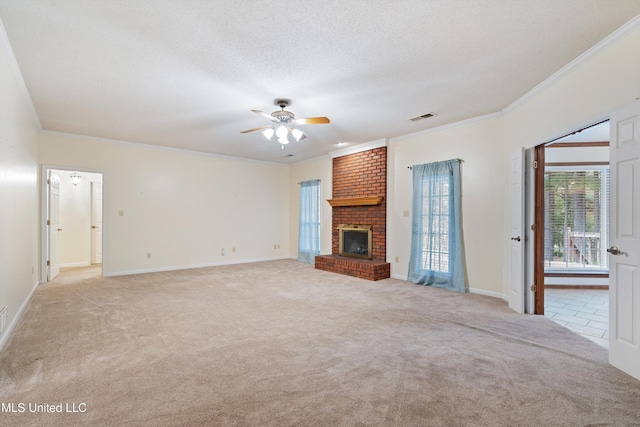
x: 363, y: 269
x: 361, y: 174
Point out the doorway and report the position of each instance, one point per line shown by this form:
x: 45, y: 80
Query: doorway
x: 571, y: 207
x: 72, y: 221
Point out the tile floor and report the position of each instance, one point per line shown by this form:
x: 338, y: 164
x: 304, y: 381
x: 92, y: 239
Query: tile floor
x: 584, y: 311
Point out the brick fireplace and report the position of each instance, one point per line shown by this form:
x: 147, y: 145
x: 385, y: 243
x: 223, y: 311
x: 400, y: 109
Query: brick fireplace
x: 359, y: 198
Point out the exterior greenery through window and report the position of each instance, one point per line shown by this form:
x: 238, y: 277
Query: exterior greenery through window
x: 576, y: 219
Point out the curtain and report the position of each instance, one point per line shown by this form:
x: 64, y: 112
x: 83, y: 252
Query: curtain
x: 309, y: 231
x: 437, y: 253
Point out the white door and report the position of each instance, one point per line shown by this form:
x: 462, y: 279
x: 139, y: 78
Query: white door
x: 53, y: 225
x: 516, y: 230
x: 96, y: 222
x: 624, y: 238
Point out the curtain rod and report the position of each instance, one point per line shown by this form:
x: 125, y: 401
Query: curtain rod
x: 411, y: 167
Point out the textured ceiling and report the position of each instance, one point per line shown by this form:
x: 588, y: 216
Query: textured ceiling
x: 187, y: 73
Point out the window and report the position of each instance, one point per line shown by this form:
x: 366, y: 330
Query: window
x: 576, y: 219
x: 309, y: 228
x: 435, y: 218
x: 437, y: 256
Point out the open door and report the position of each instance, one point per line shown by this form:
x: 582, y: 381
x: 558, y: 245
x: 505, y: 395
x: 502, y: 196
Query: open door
x: 516, y: 230
x: 624, y: 235
x: 96, y: 222
x: 53, y: 227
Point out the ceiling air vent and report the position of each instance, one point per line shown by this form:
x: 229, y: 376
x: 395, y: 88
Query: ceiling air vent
x: 288, y: 155
x: 424, y: 116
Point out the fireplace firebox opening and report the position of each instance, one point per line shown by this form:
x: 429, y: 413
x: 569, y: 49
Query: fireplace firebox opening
x: 355, y: 241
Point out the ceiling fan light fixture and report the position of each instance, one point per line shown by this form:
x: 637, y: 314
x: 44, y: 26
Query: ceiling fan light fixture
x: 297, y: 134
x: 283, y: 124
x: 268, y: 133
x: 282, y: 132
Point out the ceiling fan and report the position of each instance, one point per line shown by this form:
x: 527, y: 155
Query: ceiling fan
x: 283, y: 124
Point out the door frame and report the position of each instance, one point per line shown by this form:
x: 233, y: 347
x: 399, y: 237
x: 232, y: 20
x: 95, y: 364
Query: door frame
x: 538, y: 235
x: 538, y: 262
x: 92, y: 241
x: 44, y: 209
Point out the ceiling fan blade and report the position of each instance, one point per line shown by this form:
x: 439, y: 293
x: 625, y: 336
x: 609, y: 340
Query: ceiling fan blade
x: 312, y: 121
x: 255, y: 129
x: 265, y: 115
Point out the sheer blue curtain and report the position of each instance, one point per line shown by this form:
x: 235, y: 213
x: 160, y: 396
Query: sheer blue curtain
x: 309, y: 232
x: 437, y: 253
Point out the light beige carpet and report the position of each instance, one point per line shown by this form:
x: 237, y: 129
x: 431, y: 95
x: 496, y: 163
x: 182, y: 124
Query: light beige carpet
x: 279, y: 343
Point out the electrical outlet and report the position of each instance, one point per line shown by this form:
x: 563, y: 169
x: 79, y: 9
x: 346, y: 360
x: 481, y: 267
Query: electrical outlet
x: 233, y: 249
x: 148, y: 254
x: 275, y: 246
x: 278, y: 246
x: 222, y: 252
x: 397, y: 259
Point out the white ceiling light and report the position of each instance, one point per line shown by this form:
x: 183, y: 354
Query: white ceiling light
x: 75, y: 178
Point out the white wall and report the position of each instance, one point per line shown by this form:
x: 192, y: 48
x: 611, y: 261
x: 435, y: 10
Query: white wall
x: 583, y: 93
x: 319, y: 168
x: 479, y: 144
x: 75, y: 218
x: 18, y: 191
x: 586, y: 92
x: 181, y: 207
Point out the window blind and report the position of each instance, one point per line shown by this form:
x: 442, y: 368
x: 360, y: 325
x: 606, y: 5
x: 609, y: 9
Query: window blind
x: 576, y: 219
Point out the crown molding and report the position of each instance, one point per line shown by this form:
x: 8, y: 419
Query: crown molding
x: 599, y: 47
x: 447, y: 126
x: 17, y: 74
x: 157, y: 147
x: 359, y: 148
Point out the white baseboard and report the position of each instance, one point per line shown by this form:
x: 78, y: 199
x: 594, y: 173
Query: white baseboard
x: 191, y: 266
x: 488, y: 293
x: 75, y: 264
x: 4, y: 339
x: 471, y: 290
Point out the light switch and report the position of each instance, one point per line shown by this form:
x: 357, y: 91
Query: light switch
x: 405, y: 213
x: 121, y: 213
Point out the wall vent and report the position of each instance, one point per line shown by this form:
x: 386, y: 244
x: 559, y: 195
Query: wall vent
x: 424, y: 116
x: 3, y: 319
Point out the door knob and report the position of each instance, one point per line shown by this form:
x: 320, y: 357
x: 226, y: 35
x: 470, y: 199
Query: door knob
x: 613, y: 250
x: 93, y: 226
x: 517, y: 239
